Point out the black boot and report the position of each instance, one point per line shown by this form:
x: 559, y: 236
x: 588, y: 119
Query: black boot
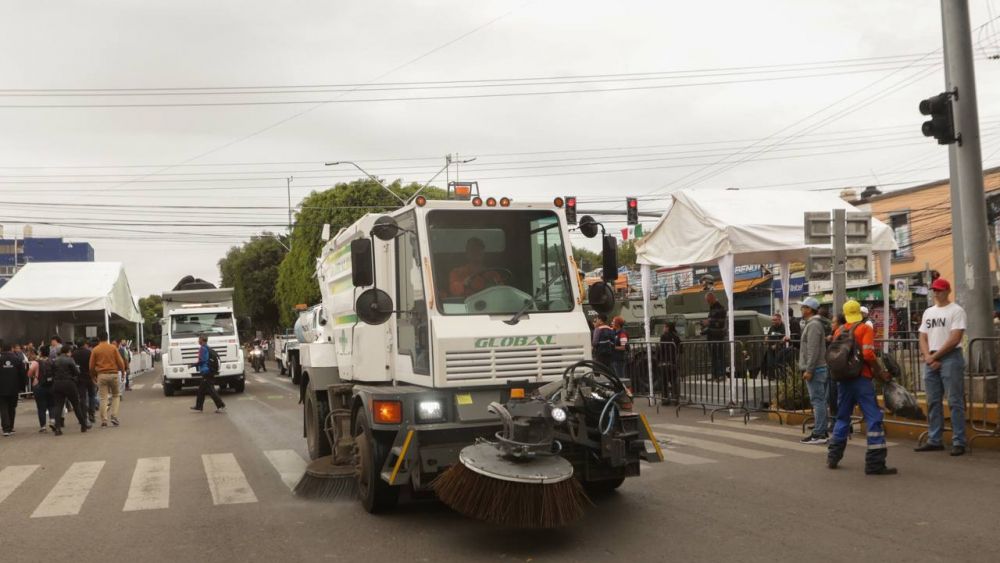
x: 875, y: 463
x: 834, y: 453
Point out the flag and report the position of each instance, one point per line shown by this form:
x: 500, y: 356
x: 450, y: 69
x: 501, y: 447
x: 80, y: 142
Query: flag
x: 638, y: 230
x: 625, y: 233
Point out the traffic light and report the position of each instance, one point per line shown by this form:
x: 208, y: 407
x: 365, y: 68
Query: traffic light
x: 942, y: 124
x: 632, y: 210
x: 571, y: 210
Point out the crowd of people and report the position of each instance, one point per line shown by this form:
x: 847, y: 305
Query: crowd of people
x: 85, y: 379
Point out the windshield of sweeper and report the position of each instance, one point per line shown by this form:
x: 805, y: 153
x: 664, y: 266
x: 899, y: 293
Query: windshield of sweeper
x: 498, y: 262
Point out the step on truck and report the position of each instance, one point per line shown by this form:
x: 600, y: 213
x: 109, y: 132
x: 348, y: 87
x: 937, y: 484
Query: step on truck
x: 435, y: 311
x: 188, y: 314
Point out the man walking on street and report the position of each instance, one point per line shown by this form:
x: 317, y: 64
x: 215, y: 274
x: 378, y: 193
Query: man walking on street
x: 812, y: 360
x: 941, y: 332
x: 857, y: 389
x: 84, y: 383
x: 65, y: 374
x: 13, y: 379
x: 207, y: 367
x: 106, y: 362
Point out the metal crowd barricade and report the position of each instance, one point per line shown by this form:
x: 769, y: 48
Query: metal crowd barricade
x: 982, y: 388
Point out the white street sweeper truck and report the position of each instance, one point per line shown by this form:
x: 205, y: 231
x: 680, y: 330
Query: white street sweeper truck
x: 451, y: 353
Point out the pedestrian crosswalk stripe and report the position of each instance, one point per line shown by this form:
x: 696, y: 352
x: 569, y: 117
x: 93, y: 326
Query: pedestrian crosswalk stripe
x: 673, y: 456
x: 150, y: 488
x: 779, y: 430
x: 743, y: 436
x: 260, y: 380
x: 226, y: 480
x: 157, y: 386
x: 719, y: 447
x: 12, y: 477
x: 138, y: 386
x: 288, y: 464
x: 67, y: 497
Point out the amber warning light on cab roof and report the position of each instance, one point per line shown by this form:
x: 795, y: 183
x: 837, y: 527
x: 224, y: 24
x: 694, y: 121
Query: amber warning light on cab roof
x: 463, y: 190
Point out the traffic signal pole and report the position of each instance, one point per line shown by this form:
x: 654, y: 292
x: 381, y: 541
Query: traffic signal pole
x: 976, y: 291
x: 957, y: 246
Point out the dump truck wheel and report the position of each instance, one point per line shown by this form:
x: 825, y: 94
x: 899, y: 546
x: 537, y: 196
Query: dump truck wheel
x: 376, y: 495
x: 315, y: 412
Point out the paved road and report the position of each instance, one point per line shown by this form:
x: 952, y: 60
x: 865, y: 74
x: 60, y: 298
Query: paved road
x: 173, y: 485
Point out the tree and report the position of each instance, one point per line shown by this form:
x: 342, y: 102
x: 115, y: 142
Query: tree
x: 151, y: 309
x: 585, y: 259
x: 339, y: 206
x: 252, y: 271
x: 626, y: 254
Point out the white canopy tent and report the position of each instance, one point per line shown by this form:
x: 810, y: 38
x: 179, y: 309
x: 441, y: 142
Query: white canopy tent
x: 47, y: 294
x: 734, y: 227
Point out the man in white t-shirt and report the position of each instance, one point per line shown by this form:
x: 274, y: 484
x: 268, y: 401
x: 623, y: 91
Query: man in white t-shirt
x: 941, y: 331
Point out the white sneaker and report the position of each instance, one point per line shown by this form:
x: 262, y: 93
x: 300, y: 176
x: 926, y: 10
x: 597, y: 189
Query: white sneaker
x: 817, y: 440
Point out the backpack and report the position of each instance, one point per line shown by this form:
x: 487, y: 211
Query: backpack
x: 46, y: 373
x: 843, y: 356
x: 214, y: 364
x: 605, y: 342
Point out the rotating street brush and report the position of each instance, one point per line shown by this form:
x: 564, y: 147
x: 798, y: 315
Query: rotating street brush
x: 540, y: 493
x: 325, y: 480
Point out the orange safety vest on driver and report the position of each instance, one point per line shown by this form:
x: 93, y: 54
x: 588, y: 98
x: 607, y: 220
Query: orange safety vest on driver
x: 458, y: 277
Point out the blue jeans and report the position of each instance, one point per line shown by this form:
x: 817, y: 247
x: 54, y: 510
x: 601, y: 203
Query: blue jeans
x: 861, y: 392
x: 817, y: 397
x: 949, y: 377
x: 44, y: 404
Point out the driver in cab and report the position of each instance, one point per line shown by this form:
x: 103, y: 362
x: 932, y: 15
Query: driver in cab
x: 472, y: 276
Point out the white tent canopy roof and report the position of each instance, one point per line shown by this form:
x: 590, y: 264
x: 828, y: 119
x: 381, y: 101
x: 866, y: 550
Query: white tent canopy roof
x: 70, y: 286
x: 754, y: 226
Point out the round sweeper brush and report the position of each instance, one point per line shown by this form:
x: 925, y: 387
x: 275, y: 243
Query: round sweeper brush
x: 536, y: 493
x: 326, y: 481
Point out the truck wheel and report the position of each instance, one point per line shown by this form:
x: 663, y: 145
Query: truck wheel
x: 281, y: 368
x: 605, y: 486
x: 376, y: 495
x: 296, y: 371
x: 168, y: 389
x: 315, y: 412
x: 239, y: 386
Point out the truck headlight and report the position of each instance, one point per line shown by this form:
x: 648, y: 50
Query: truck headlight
x: 558, y: 414
x: 429, y: 411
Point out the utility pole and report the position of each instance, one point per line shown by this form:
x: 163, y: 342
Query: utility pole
x: 957, y: 242
x: 976, y: 291
x: 839, y: 259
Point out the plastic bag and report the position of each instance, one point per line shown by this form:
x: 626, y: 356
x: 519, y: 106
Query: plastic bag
x: 901, y: 402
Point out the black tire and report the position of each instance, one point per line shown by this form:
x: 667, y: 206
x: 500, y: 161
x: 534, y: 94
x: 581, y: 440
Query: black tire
x: 239, y: 386
x: 168, y: 389
x: 603, y: 487
x: 296, y: 371
x: 376, y: 495
x: 315, y: 412
x: 281, y: 368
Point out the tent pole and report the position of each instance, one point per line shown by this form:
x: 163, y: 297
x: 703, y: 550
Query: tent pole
x: 645, y: 270
x: 727, y: 269
x: 107, y: 323
x: 786, y: 298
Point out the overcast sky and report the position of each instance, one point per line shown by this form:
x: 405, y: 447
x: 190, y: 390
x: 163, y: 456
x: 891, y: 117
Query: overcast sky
x: 701, y: 95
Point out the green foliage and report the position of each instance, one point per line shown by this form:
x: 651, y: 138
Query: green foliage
x: 339, y: 207
x: 151, y: 309
x: 586, y: 260
x: 252, y: 271
x: 626, y: 254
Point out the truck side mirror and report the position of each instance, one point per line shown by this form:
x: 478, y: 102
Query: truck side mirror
x: 385, y: 228
x: 601, y: 297
x: 362, y: 267
x: 609, y: 253
x: 588, y: 226
x: 374, y: 306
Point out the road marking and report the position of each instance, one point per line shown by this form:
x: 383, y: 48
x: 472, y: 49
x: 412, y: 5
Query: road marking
x: 150, y: 488
x: 780, y: 430
x: 673, y: 456
x: 11, y: 478
x: 259, y: 379
x: 753, y: 438
x: 138, y: 386
x: 719, y: 447
x: 157, y: 386
x: 288, y: 464
x: 226, y: 480
x: 67, y: 497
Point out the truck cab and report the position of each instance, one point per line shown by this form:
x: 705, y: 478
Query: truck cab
x: 188, y: 314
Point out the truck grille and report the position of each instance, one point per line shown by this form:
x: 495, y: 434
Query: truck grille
x: 510, y: 363
x: 189, y: 354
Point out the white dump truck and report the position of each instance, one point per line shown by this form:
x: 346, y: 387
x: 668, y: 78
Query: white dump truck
x: 187, y: 314
x: 434, y: 311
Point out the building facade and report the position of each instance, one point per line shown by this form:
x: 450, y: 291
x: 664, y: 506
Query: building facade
x: 16, y: 252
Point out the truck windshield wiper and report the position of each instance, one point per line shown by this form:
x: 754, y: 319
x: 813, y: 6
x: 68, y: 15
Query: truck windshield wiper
x: 534, y: 300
